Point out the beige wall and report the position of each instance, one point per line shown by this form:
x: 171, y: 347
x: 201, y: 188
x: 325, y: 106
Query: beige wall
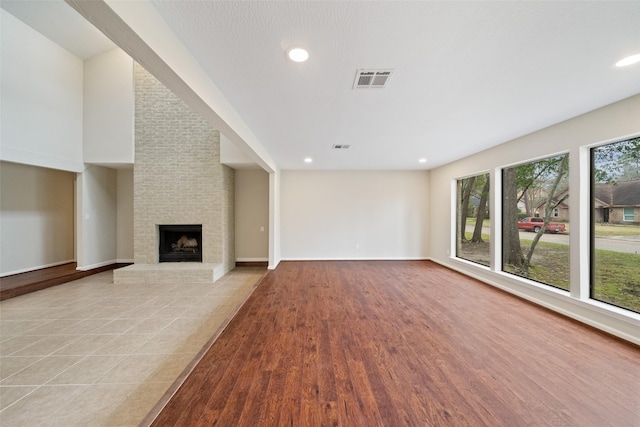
x: 36, y: 217
x: 51, y: 117
x: 614, y: 122
x: 124, y: 249
x: 228, y: 218
x: 97, y: 189
x: 252, y: 215
x: 354, y: 214
x: 275, y: 219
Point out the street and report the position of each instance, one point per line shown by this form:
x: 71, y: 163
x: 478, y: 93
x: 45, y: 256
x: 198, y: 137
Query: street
x: 627, y: 244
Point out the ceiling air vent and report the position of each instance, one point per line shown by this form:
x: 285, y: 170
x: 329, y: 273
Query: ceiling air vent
x: 340, y: 146
x: 371, y: 79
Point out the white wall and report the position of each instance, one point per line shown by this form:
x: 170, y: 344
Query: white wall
x: 275, y: 220
x: 252, y: 215
x: 354, y: 214
x: 96, y: 217
x: 41, y: 98
x: 124, y: 212
x: 36, y: 217
x: 109, y: 108
x: 233, y: 156
x: 614, y: 122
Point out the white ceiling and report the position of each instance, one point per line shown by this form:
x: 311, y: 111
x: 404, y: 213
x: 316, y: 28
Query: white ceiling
x: 468, y: 75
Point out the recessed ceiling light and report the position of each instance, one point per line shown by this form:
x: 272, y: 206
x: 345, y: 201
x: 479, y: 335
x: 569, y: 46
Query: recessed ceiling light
x: 308, y: 160
x: 423, y: 160
x: 298, y: 54
x: 629, y: 60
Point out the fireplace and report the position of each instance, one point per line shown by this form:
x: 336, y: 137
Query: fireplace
x: 180, y: 243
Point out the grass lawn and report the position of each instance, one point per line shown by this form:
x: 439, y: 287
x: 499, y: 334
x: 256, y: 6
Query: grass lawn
x: 617, y: 279
x: 472, y: 221
x: 549, y: 264
x: 616, y: 275
x: 612, y: 230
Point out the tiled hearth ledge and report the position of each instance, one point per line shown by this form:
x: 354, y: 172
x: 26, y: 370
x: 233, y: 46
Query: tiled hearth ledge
x: 169, y: 272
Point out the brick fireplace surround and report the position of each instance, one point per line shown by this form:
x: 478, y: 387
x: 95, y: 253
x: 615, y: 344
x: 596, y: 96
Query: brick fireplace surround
x: 177, y: 179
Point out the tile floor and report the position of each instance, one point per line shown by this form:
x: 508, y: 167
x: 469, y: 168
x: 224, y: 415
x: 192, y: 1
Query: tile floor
x: 92, y: 353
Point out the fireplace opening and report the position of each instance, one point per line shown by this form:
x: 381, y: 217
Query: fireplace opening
x: 180, y: 243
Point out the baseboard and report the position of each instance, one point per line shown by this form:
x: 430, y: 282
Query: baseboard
x: 359, y: 259
x: 97, y: 265
x: 591, y: 313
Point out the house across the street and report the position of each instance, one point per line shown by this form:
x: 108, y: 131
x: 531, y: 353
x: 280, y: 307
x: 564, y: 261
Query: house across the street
x: 617, y: 202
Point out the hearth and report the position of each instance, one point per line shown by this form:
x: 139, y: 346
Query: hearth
x: 180, y: 243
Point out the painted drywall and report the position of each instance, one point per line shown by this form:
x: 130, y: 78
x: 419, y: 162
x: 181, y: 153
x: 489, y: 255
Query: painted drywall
x: 124, y: 212
x: 41, y: 97
x: 228, y: 178
x: 233, y: 156
x: 613, y: 122
x: 109, y: 108
x: 275, y: 221
x: 252, y: 215
x: 97, y: 217
x: 354, y: 214
x: 36, y: 217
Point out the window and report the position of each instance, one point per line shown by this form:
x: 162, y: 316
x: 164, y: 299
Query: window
x: 532, y: 245
x: 472, y: 225
x: 628, y: 214
x: 615, y: 231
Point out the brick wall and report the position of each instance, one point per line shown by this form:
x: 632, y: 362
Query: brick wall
x: 178, y: 178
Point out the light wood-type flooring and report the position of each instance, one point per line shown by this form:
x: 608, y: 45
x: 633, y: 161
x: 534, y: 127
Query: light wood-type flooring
x: 91, y: 353
x: 403, y: 343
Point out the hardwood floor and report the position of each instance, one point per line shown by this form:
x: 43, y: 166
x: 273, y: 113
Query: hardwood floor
x: 403, y: 343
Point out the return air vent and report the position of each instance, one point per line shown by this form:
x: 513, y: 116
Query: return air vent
x: 371, y: 79
x: 340, y: 146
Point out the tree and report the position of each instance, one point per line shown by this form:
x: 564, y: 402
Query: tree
x: 619, y: 161
x: 511, y: 250
x: 550, y: 205
x: 468, y: 186
x: 459, y: 217
x: 482, y: 211
x: 523, y: 183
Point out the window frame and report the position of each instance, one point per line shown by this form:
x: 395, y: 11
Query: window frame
x: 500, y: 265
x: 456, y: 218
x: 609, y: 306
x: 581, y: 232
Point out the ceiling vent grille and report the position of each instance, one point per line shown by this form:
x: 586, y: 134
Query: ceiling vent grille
x: 340, y: 146
x: 371, y: 79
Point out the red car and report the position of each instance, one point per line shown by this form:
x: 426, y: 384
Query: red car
x: 534, y: 224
